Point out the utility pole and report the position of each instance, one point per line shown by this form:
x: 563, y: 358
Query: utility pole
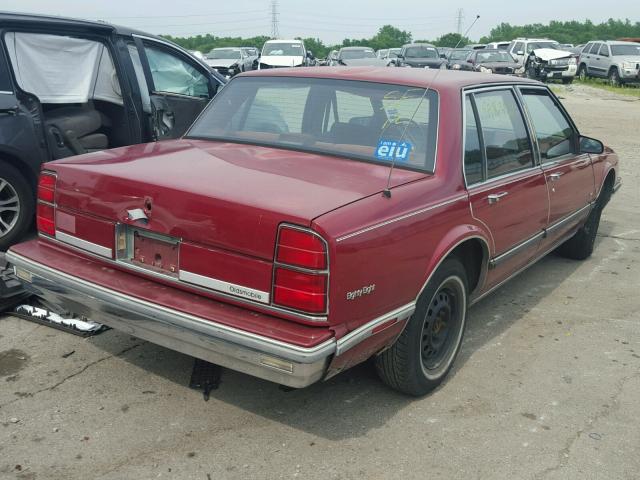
x: 274, y: 19
x: 460, y: 18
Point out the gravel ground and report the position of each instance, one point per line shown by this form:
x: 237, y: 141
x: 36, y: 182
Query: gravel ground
x: 546, y: 386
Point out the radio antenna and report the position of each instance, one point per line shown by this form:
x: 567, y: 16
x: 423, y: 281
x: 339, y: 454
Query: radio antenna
x: 387, y: 191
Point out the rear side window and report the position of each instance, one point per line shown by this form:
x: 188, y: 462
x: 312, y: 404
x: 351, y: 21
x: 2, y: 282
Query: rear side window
x: 553, y: 131
x: 506, y: 141
x: 472, y: 147
x: 594, y: 48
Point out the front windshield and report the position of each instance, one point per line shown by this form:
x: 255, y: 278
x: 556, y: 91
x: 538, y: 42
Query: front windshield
x: 459, y: 54
x: 223, y: 53
x: 282, y: 49
x: 367, y: 121
x: 498, y: 56
x: 536, y: 45
x: 356, y: 54
x: 421, y: 52
x: 633, y: 50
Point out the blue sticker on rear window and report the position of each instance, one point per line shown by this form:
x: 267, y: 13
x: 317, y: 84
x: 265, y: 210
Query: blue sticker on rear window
x: 391, y: 150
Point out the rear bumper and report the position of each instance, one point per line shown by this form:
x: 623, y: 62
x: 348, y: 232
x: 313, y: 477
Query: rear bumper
x: 256, y: 355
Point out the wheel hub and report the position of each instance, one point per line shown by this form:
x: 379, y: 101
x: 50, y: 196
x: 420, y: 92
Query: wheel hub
x: 437, y: 326
x: 9, y: 207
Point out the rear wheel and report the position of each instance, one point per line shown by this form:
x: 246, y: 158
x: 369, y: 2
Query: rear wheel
x: 16, y: 205
x: 424, y: 353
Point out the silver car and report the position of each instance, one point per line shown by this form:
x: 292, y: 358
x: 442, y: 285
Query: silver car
x: 617, y: 61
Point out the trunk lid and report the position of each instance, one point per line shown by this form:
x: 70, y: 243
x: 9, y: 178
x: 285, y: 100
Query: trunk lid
x: 222, y: 195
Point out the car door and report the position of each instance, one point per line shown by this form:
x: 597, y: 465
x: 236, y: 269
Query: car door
x: 592, y: 60
x: 569, y: 174
x: 517, y: 52
x: 603, y: 61
x: 179, y: 87
x: 507, y: 190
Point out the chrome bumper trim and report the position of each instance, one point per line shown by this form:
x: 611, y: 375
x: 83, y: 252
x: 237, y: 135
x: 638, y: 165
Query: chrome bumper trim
x: 227, y: 346
x: 365, y: 331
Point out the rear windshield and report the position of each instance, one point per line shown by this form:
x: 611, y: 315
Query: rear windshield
x: 421, y: 52
x: 626, y: 50
x: 497, y: 56
x: 367, y: 121
x: 223, y: 53
x: 355, y: 54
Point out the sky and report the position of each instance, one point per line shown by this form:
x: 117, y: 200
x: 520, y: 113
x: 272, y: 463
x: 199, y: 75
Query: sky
x: 329, y: 20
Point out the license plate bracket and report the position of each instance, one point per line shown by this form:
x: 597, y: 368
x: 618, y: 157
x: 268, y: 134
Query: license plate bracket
x: 149, y: 250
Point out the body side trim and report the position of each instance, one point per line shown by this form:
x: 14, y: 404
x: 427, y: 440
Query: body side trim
x: 402, y: 217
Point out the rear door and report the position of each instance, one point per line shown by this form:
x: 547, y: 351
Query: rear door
x: 569, y: 175
x: 179, y: 87
x: 507, y: 189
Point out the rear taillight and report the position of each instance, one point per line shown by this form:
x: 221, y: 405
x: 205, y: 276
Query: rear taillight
x: 46, y: 210
x: 301, y: 248
x: 301, y: 277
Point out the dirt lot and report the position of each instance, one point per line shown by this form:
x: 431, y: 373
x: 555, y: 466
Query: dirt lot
x: 547, y: 384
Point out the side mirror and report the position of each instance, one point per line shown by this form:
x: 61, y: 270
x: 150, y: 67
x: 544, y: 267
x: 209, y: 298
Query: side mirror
x: 519, y: 52
x: 591, y: 145
x: 400, y: 56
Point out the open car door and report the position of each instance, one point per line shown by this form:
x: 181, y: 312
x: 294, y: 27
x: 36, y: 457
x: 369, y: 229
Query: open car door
x: 179, y: 87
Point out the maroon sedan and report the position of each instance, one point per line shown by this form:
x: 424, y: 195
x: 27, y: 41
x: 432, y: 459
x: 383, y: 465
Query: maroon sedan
x: 313, y: 218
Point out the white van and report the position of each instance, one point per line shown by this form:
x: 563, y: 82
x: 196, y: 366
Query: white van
x: 284, y: 53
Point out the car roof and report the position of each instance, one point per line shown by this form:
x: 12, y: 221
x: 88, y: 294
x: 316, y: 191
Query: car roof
x: 15, y: 19
x: 420, y: 44
x: 356, y: 48
x: 437, y: 79
x: 523, y: 39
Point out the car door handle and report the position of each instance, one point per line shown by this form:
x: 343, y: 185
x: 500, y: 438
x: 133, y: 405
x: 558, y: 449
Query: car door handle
x: 556, y: 176
x: 495, y: 197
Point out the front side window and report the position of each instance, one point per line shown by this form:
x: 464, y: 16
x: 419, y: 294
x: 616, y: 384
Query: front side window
x: 506, y: 141
x: 594, y: 48
x: 368, y: 121
x: 604, y: 50
x: 171, y: 74
x: 553, y: 131
x: 223, y: 53
x: 518, y: 48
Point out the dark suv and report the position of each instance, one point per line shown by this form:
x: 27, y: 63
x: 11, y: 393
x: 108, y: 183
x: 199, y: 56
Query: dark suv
x: 70, y: 87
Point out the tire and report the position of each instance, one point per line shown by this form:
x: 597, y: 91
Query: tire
x: 580, y: 246
x: 420, y: 359
x: 614, y: 78
x: 567, y: 81
x: 582, y: 72
x: 17, y: 205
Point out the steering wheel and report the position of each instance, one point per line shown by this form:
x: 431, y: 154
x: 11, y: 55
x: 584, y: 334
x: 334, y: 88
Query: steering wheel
x: 407, y: 130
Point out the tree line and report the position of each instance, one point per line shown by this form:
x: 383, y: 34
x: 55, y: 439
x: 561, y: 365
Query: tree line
x: 388, y: 36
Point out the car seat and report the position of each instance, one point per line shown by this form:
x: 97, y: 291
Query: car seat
x: 74, y: 130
